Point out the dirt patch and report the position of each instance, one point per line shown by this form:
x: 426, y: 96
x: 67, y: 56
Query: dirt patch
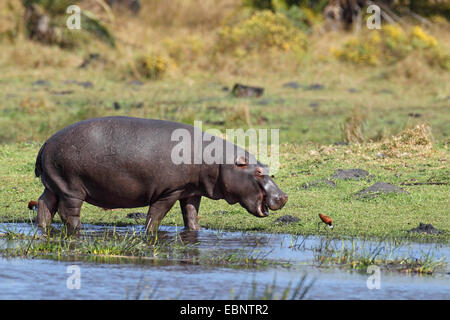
x: 379, y: 188
x: 240, y: 90
x: 350, y: 174
x: 315, y: 86
x: 41, y: 82
x: 137, y: 215
x: 287, y: 219
x: 319, y: 183
x: 292, y: 85
x: 425, y: 228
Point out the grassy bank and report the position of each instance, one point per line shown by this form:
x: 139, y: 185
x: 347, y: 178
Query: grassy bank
x: 382, y: 216
x: 337, y: 98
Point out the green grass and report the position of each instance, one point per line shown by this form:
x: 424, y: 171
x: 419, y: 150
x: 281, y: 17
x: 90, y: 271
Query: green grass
x: 383, y: 216
x: 30, y: 114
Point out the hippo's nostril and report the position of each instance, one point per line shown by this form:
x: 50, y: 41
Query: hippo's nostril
x: 284, y: 198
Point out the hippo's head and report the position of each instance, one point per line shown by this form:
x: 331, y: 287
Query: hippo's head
x: 251, y: 186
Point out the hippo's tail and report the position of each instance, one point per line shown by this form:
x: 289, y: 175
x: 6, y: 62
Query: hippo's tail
x: 38, y: 167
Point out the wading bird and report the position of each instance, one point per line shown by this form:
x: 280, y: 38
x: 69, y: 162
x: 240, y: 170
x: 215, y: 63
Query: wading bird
x: 325, y: 219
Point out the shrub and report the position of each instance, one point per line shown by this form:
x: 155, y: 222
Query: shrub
x: 390, y: 45
x: 152, y: 66
x: 184, y: 49
x: 263, y: 30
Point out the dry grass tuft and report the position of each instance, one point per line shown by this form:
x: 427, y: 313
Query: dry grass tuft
x: 238, y: 115
x: 353, y: 129
x: 416, y: 141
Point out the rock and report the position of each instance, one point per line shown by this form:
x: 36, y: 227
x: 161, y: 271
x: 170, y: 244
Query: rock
x: 414, y: 115
x: 287, y: 219
x: 136, y: 83
x: 385, y: 91
x: 62, y: 92
x: 225, y: 88
x: 263, y: 102
x: 292, y: 85
x: 425, y: 228
x: 137, y: 215
x: 378, y: 188
x: 41, y: 82
x: 84, y: 84
x: 350, y: 174
x: 240, y: 90
x: 133, y: 5
x: 116, y: 105
x: 221, y: 212
x: 314, y: 104
x: 318, y: 183
x: 353, y: 90
x: 315, y: 86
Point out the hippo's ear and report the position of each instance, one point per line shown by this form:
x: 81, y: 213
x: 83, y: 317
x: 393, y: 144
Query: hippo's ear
x: 241, y: 161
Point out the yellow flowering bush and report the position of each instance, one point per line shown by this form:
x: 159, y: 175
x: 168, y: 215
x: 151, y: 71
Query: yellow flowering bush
x: 263, y: 30
x: 152, y: 66
x: 420, y: 38
x: 186, y: 49
x: 388, y: 45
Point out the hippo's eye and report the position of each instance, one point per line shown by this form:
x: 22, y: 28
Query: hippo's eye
x: 259, y: 172
x: 272, y: 176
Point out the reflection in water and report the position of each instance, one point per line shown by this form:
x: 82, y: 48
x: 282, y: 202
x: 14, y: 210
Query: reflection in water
x: 182, y: 279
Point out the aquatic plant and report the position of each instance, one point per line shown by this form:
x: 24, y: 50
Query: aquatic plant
x: 382, y: 254
x: 271, y: 291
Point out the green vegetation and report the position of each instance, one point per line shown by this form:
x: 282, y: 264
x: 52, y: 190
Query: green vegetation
x: 297, y: 292
x: 389, y: 117
x: 361, y: 256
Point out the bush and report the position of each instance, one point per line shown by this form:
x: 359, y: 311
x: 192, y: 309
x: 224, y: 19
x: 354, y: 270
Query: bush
x: 389, y: 45
x: 184, y: 49
x: 263, y: 30
x: 152, y: 66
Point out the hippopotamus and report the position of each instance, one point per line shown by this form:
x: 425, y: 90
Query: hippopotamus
x: 125, y: 162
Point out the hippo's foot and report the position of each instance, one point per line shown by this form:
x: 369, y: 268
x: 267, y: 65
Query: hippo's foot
x: 47, y: 205
x: 189, y: 209
x: 69, y: 211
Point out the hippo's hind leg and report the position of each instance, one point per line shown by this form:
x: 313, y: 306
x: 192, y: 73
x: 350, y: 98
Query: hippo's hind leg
x: 189, y: 209
x: 47, y: 205
x: 69, y: 210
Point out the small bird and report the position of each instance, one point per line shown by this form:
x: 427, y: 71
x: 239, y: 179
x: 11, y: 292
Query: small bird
x: 327, y: 220
x: 33, y: 205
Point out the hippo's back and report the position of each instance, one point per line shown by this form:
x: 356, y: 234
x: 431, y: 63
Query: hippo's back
x: 108, y: 154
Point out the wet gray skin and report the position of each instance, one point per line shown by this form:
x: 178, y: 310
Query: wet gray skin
x: 123, y: 162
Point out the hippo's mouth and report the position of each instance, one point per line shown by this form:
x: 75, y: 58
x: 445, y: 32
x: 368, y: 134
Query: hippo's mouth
x: 263, y: 208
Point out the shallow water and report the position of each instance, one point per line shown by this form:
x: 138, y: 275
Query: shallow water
x: 47, y: 279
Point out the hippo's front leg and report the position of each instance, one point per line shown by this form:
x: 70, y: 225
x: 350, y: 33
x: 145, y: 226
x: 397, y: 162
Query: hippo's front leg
x: 157, y: 212
x: 189, y: 209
